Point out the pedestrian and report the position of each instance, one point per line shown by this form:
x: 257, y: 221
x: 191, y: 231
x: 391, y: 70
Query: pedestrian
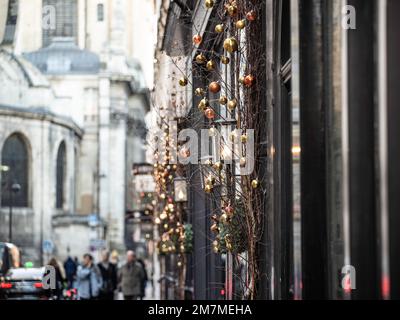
x: 144, y: 280
x: 70, y: 268
x: 60, y: 280
x: 89, y: 281
x: 109, y: 276
x: 131, y: 277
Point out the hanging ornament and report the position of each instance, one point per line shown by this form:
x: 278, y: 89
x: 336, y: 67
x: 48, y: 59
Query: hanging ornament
x: 216, y: 247
x: 241, y: 80
x: 229, y: 210
x: 214, y: 87
x: 224, y: 218
x: 255, y: 184
x: 249, y: 81
x: 203, y: 104
x: 199, y: 92
x: 209, y: 4
x: 232, y: 9
x: 218, y: 166
x: 197, y: 39
x: 241, y: 24
x: 223, y: 100
x: 251, y: 15
x: 211, y: 65
x: 219, y: 28
x: 212, y: 133
x: 214, y: 228
x: 210, y: 113
x: 231, y: 45
x: 183, y: 82
x: 225, y: 60
x: 232, y: 105
x: 210, y: 180
x: 208, y: 189
x: 201, y: 59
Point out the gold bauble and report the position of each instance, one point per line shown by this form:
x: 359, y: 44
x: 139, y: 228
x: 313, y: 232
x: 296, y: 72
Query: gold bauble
x: 241, y: 24
x: 224, y: 218
x: 225, y: 60
x: 209, y: 4
x: 203, y: 104
x: 201, y: 59
x: 214, y: 228
x: 183, y: 82
x: 232, y: 10
x: 255, y: 184
x: 210, y: 180
x: 232, y: 105
x: 199, y: 92
x: 223, y: 100
x: 243, y: 162
x: 219, y: 28
x: 243, y: 138
x: 211, y: 65
x: 218, y: 166
x: 241, y: 80
x: 208, y: 189
x: 231, y: 45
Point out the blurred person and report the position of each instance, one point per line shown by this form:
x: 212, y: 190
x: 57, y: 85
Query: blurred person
x: 89, y: 281
x: 108, y: 273
x: 144, y: 280
x: 60, y: 280
x: 70, y: 267
x: 131, y: 277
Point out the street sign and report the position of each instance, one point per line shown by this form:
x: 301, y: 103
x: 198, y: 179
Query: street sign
x: 48, y: 246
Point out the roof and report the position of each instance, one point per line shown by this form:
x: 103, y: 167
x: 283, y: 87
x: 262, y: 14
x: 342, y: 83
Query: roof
x: 62, y: 57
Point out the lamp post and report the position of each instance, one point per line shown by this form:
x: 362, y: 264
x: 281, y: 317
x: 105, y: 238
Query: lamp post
x: 14, y: 189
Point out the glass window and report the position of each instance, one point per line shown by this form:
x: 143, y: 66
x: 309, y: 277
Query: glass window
x: 60, y: 176
x: 66, y: 20
x: 14, y: 162
x: 100, y: 12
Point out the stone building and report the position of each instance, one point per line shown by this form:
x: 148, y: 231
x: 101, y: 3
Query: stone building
x: 72, y: 103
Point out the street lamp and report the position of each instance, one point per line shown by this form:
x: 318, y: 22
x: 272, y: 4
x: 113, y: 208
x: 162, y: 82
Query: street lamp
x: 180, y: 190
x: 14, y: 189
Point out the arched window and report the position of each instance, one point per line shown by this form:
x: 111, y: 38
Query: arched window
x: 15, y: 170
x: 60, y: 176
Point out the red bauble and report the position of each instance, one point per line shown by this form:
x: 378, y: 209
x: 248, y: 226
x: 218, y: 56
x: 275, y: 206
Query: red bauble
x: 209, y: 113
x: 197, y: 39
x: 249, y: 80
x: 251, y: 15
x: 214, y: 87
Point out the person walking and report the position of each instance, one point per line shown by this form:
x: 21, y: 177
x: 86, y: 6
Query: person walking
x: 70, y: 268
x: 60, y: 280
x: 89, y: 281
x: 108, y: 273
x: 144, y: 280
x: 131, y: 277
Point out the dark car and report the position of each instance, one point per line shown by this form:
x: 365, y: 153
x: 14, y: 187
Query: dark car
x: 23, y: 284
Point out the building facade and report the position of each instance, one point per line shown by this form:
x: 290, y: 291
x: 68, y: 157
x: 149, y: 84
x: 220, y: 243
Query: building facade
x: 89, y: 98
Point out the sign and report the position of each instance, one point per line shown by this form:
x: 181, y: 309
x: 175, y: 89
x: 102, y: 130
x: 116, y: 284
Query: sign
x: 98, y: 244
x: 8, y: 20
x: 144, y: 183
x: 48, y: 246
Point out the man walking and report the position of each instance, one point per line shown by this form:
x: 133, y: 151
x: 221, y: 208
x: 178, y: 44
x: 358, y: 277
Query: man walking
x: 109, y: 276
x: 131, y: 276
x: 89, y: 280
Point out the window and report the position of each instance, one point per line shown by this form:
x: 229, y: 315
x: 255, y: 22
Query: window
x: 100, y: 12
x: 66, y: 20
x: 14, y: 157
x: 60, y: 176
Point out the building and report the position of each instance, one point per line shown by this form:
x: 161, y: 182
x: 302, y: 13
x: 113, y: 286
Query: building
x: 73, y: 103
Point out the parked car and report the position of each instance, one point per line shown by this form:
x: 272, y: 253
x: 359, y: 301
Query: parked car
x: 24, y: 284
